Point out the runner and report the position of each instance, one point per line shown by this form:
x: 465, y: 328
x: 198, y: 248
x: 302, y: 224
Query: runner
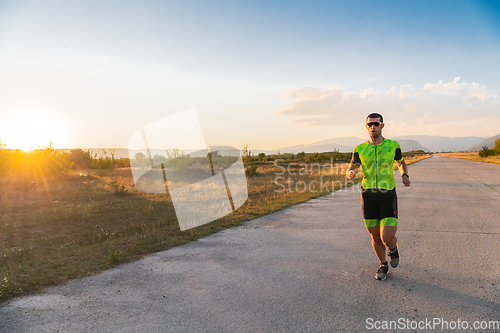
x: 378, y: 191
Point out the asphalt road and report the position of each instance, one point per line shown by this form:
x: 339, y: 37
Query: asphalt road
x: 309, y: 268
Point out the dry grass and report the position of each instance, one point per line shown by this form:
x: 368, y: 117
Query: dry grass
x: 66, y: 227
x: 416, y: 158
x: 473, y: 156
x: 72, y: 226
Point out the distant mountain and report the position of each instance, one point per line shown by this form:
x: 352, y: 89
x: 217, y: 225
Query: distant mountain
x: 349, y: 141
x: 443, y: 143
x: 119, y: 152
x: 343, y: 144
x: 124, y: 153
x: 409, y: 145
x: 347, y: 144
x: 490, y: 143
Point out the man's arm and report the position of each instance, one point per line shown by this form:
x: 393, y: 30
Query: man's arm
x: 351, y: 172
x: 403, y: 170
x: 354, y: 166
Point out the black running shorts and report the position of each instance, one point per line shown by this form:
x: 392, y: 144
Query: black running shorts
x: 380, y: 207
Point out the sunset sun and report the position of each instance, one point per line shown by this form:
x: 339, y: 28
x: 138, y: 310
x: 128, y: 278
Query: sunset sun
x: 29, y: 129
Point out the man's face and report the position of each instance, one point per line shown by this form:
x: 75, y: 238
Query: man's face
x: 374, y: 130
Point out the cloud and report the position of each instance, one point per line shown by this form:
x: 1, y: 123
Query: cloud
x: 433, y: 104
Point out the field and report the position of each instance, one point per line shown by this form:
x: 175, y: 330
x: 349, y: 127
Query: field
x: 62, y: 227
x: 473, y: 156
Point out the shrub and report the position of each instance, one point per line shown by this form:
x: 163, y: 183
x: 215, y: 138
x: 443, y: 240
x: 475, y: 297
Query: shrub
x: 247, y: 155
x: 251, y: 170
x: 38, y: 163
x: 122, y: 163
x: 80, y: 159
x: 335, y: 154
x: 323, y: 157
x: 277, y: 156
x: 412, y: 153
x: 485, y: 152
x: 179, y: 163
x: 118, y: 189
x: 140, y: 160
x: 104, y: 162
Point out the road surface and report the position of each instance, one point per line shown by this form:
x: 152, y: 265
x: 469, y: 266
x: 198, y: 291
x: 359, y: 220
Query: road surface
x: 308, y: 268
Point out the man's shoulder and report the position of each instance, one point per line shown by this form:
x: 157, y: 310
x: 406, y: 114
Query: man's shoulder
x: 392, y: 143
x: 361, y: 145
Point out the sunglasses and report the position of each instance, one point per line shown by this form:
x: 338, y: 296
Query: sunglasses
x: 373, y: 123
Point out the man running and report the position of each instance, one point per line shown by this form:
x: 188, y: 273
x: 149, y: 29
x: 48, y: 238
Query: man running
x: 378, y: 192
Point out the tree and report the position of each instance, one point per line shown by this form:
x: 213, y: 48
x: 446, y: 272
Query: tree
x: 497, y: 147
x: 335, y: 155
x: 247, y: 154
x: 140, y: 159
x: 81, y: 159
x: 485, y: 152
x: 251, y: 168
x: 215, y: 154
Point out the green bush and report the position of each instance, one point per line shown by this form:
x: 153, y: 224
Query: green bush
x: 80, y: 159
x: 104, y: 162
x: 180, y: 163
x: 495, y: 151
x: 485, y: 152
x: 118, y: 189
x: 251, y: 170
x: 323, y: 157
x: 247, y: 155
x: 335, y: 154
x: 84, y: 160
x: 122, y: 163
x: 413, y: 153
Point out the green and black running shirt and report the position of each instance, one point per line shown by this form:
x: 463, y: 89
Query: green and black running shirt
x: 377, y: 162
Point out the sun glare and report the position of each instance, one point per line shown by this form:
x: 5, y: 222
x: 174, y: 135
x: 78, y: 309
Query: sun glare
x: 30, y: 129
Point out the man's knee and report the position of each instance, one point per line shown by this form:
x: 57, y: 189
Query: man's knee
x: 388, y: 239
x: 376, y: 238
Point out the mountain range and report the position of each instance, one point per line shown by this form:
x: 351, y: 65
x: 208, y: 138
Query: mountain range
x: 347, y: 144
x: 408, y: 143
x: 490, y: 143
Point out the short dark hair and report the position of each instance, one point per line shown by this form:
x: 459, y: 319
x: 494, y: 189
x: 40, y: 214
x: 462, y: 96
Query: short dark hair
x: 376, y: 115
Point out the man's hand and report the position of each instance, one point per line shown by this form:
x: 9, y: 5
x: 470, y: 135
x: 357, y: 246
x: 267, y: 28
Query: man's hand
x: 351, y: 173
x: 406, y: 181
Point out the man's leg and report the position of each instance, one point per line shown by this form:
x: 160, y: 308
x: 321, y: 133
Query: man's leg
x: 378, y: 245
x: 371, y: 211
x: 389, y: 221
x: 388, y: 236
x: 379, y: 248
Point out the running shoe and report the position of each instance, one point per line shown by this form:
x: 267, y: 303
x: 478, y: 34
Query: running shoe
x: 394, y: 256
x: 382, y: 272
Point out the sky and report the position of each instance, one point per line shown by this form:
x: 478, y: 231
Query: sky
x: 266, y: 74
